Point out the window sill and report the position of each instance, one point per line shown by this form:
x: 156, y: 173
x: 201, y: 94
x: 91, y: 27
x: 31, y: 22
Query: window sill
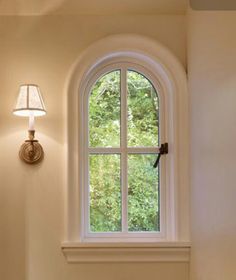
x: 126, y: 252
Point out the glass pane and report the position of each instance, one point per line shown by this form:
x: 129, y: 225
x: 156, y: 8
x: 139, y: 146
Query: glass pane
x: 143, y: 193
x: 104, y: 111
x: 142, y: 111
x: 105, y: 193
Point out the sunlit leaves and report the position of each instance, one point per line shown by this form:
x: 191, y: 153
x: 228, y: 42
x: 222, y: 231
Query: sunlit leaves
x: 105, y: 193
x: 142, y: 111
x: 104, y: 170
x: 104, y: 111
x: 142, y: 193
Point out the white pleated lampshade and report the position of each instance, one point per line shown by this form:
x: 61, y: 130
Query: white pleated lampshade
x: 29, y: 101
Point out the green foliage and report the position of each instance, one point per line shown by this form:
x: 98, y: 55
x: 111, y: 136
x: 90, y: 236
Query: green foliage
x: 142, y: 193
x: 105, y: 195
x: 104, y: 112
x: 104, y: 131
x: 142, y: 111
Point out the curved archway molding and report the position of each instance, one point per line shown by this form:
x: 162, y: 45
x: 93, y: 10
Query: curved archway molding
x: 172, y: 77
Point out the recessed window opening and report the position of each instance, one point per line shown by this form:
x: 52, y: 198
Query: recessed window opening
x: 127, y: 150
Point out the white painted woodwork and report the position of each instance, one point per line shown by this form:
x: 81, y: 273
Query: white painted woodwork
x: 123, y: 253
x: 160, y: 65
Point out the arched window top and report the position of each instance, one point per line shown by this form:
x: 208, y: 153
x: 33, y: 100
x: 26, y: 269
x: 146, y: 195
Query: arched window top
x: 111, y: 61
x: 105, y: 107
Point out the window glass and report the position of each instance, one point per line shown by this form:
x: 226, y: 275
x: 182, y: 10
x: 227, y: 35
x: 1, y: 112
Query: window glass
x: 143, y: 115
x: 104, y: 111
x: 109, y: 181
x: 105, y: 193
x: 143, y: 193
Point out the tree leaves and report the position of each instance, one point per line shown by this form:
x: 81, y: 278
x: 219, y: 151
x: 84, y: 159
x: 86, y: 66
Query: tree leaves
x: 104, y: 131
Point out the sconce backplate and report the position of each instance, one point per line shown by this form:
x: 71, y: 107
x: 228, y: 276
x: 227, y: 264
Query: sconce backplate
x: 31, y: 152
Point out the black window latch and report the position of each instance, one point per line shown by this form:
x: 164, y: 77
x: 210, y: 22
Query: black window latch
x: 162, y: 151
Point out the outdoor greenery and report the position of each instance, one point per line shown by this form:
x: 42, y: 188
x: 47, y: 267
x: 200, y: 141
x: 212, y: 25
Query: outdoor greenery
x: 105, y: 170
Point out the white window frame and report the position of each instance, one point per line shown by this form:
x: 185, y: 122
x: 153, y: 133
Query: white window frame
x: 122, y: 64
x: 172, y: 84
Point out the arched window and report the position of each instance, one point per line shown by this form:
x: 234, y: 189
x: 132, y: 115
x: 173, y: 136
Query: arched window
x: 127, y: 104
x: 124, y: 190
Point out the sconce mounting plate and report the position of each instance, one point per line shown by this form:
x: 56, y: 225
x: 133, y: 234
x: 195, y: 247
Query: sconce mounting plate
x: 31, y: 151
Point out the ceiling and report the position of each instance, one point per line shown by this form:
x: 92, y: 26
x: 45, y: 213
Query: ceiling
x: 92, y: 7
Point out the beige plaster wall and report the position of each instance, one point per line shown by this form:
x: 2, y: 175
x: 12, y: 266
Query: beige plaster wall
x: 212, y: 83
x: 42, y: 50
x: 84, y: 7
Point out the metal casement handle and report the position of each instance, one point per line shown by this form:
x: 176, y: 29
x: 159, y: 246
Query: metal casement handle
x: 162, y: 151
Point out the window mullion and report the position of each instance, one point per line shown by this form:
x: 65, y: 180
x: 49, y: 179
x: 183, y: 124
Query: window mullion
x: 124, y: 167
x: 104, y: 150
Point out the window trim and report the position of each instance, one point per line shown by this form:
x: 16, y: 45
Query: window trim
x: 172, y: 77
x: 174, y: 252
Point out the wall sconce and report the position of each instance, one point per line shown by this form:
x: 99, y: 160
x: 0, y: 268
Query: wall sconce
x: 30, y: 104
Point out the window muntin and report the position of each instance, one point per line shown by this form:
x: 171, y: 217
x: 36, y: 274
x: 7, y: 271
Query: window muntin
x: 140, y: 210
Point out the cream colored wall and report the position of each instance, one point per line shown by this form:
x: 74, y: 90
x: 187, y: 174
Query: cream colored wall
x: 84, y: 7
x: 42, y: 50
x: 212, y: 82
